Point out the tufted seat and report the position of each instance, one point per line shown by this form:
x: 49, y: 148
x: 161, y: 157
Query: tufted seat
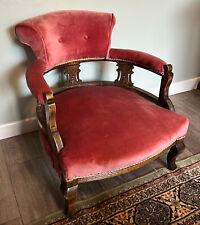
x: 107, y: 128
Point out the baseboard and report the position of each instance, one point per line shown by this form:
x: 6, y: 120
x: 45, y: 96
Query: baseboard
x: 179, y: 87
x: 18, y: 128
x: 30, y: 124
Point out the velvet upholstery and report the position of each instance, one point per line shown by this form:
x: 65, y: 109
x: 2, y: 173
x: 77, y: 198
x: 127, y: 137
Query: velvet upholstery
x: 138, y: 58
x: 48, y: 150
x: 36, y: 81
x: 107, y: 128
x: 63, y: 36
x: 102, y: 128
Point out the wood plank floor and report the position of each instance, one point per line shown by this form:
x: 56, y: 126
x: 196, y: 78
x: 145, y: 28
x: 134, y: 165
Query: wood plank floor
x: 29, y: 187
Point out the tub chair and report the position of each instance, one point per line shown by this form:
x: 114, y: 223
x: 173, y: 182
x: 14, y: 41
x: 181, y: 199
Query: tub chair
x: 98, y: 129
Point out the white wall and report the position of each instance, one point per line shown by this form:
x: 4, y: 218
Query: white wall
x: 168, y: 29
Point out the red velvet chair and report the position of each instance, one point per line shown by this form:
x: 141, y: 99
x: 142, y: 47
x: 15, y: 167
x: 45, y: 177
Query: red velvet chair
x: 96, y: 130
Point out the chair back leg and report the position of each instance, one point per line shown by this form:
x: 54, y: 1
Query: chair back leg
x: 173, y: 153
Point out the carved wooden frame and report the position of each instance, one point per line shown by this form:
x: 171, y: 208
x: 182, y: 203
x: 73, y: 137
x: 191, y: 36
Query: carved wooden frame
x: 46, y: 114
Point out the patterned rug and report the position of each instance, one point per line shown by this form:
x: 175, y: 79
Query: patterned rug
x: 170, y: 198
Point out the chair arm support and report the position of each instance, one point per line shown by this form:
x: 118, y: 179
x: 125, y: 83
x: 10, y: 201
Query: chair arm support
x: 140, y: 59
x: 51, y: 126
x: 36, y: 81
x: 163, y: 99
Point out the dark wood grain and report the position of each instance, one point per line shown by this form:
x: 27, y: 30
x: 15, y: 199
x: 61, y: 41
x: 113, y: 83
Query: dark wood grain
x: 124, y: 72
x: 51, y: 125
x: 70, y: 191
x: 174, y: 152
x: 164, y: 100
x: 71, y: 71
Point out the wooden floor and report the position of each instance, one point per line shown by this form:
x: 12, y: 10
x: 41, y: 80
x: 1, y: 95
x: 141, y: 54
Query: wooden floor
x: 29, y: 187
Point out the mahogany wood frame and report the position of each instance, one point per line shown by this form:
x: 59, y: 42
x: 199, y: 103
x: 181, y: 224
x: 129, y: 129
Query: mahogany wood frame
x: 46, y: 115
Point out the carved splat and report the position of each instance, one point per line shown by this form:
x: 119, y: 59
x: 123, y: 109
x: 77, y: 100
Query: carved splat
x: 125, y: 70
x: 72, y: 74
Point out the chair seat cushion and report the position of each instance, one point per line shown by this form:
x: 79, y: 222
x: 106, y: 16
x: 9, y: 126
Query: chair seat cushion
x: 109, y: 128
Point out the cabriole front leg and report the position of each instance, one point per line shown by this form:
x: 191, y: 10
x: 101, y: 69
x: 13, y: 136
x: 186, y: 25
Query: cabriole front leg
x: 176, y: 150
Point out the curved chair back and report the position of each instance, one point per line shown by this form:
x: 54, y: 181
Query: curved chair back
x: 63, y: 36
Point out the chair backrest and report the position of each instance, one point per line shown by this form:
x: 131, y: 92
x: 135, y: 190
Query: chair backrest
x: 64, y: 36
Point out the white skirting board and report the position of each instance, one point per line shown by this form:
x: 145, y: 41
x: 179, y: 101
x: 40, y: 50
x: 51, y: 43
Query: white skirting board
x: 179, y: 87
x: 30, y: 124
x: 18, y: 127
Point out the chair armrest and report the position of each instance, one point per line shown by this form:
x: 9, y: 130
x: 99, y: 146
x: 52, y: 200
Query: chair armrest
x: 140, y: 59
x: 151, y: 63
x: 36, y: 82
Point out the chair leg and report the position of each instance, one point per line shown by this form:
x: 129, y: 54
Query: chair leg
x: 173, y: 153
x: 70, y: 191
x: 198, y: 86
